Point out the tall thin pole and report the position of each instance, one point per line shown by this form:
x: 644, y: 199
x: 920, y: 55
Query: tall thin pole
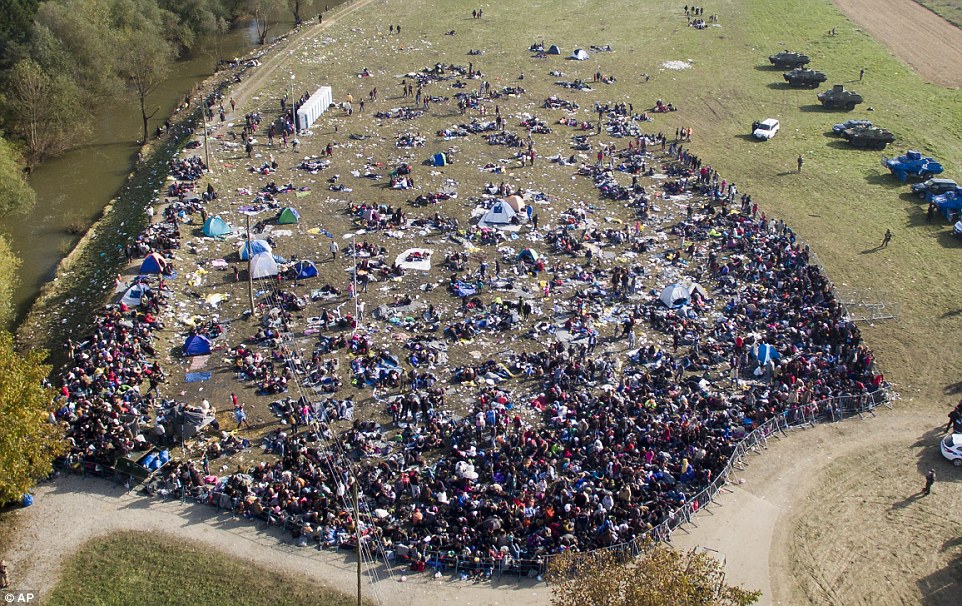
x: 250, y: 265
x: 357, y: 320
x: 293, y: 107
x: 203, y: 112
x: 357, y: 533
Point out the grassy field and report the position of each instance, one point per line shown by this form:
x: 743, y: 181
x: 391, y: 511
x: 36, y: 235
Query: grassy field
x: 842, y: 204
x: 144, y: 568
x: 950, y: 10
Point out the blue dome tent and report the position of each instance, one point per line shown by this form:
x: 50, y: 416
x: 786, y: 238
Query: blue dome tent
x: 153, y: 264
x: 246, y: 249
x: 305, y: 269
x: 196, y: 345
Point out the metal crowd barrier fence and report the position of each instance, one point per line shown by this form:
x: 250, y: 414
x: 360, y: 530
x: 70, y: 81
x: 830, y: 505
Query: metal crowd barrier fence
x: 796, y: 416
x: 826, y: 410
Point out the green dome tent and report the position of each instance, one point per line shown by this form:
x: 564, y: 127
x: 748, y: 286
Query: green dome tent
x: 216, y: 227
x: 288, y: 216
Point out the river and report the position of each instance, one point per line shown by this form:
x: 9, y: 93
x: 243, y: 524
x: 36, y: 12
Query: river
x: 74, y: 188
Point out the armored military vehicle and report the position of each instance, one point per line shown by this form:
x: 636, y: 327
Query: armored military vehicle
x: 839, y: 98
x: 801, y: 76
x: 912, y: 164
x: 871, y: 137
x: 788, y: 59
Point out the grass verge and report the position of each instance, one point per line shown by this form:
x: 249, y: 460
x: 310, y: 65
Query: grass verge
x: 144, y: 568
x: 950, y: 10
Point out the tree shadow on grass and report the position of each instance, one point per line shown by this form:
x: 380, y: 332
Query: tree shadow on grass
x: 941, y: 588
x: 947, y: 240
x: 843, y: 145
x: 884, y: 180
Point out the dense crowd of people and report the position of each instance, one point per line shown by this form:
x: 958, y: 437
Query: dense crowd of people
x: 564, y: 448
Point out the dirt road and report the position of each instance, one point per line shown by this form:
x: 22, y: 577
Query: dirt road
x: 72, y: 510
x: 928, y: 43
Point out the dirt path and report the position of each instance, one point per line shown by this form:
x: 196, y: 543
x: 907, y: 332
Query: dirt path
x: 72, y: 510
x: 928, y: 43
x: 831, y: 515
x: 245, y: 88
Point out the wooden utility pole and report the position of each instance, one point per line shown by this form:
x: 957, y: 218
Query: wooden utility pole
x: 250, y: 266
x: 357, y: 535
x: 203, y: 112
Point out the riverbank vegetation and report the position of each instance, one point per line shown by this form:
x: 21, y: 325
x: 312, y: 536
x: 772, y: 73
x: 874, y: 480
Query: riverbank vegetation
x: 15, y: 196
x: 60, y: 59
x: 29, y: 442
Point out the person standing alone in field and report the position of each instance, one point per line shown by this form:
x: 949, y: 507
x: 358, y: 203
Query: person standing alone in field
x: 886, y: 238
x: 929, y: 480
x: 799, y: 162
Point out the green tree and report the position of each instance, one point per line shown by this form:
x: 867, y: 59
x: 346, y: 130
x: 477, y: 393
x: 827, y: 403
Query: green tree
x: 298, y: 8
x: 74, y: 38
x: 46, y: 112
x: 29, y: 442
x: 9, y: 280
x: 262, y: 12
x: 16, y: 17
x: 660, y: 577
x: 145, y: 65
x: 15, y: 194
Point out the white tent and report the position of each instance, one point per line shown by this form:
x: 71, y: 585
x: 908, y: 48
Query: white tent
x: 696, y: 287
x: 676, y: 295
x: 135, y: 294
x: 579, y: 54
x: 516, y: 202
x: 498, y: 216
x: 312, y: 109
x: 255, y: 246
x: 263, y: 265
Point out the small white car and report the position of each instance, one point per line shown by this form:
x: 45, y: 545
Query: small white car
x: 765, y: 129
x: 952, y: 448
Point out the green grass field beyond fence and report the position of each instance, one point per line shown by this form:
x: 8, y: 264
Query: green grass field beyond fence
x: 143, y: 568
x: 950, y: 10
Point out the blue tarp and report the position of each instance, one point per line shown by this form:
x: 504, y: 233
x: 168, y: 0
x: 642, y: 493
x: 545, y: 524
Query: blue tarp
x: 766, y: 352
x: 439, y: 159
x: 463, y: 289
